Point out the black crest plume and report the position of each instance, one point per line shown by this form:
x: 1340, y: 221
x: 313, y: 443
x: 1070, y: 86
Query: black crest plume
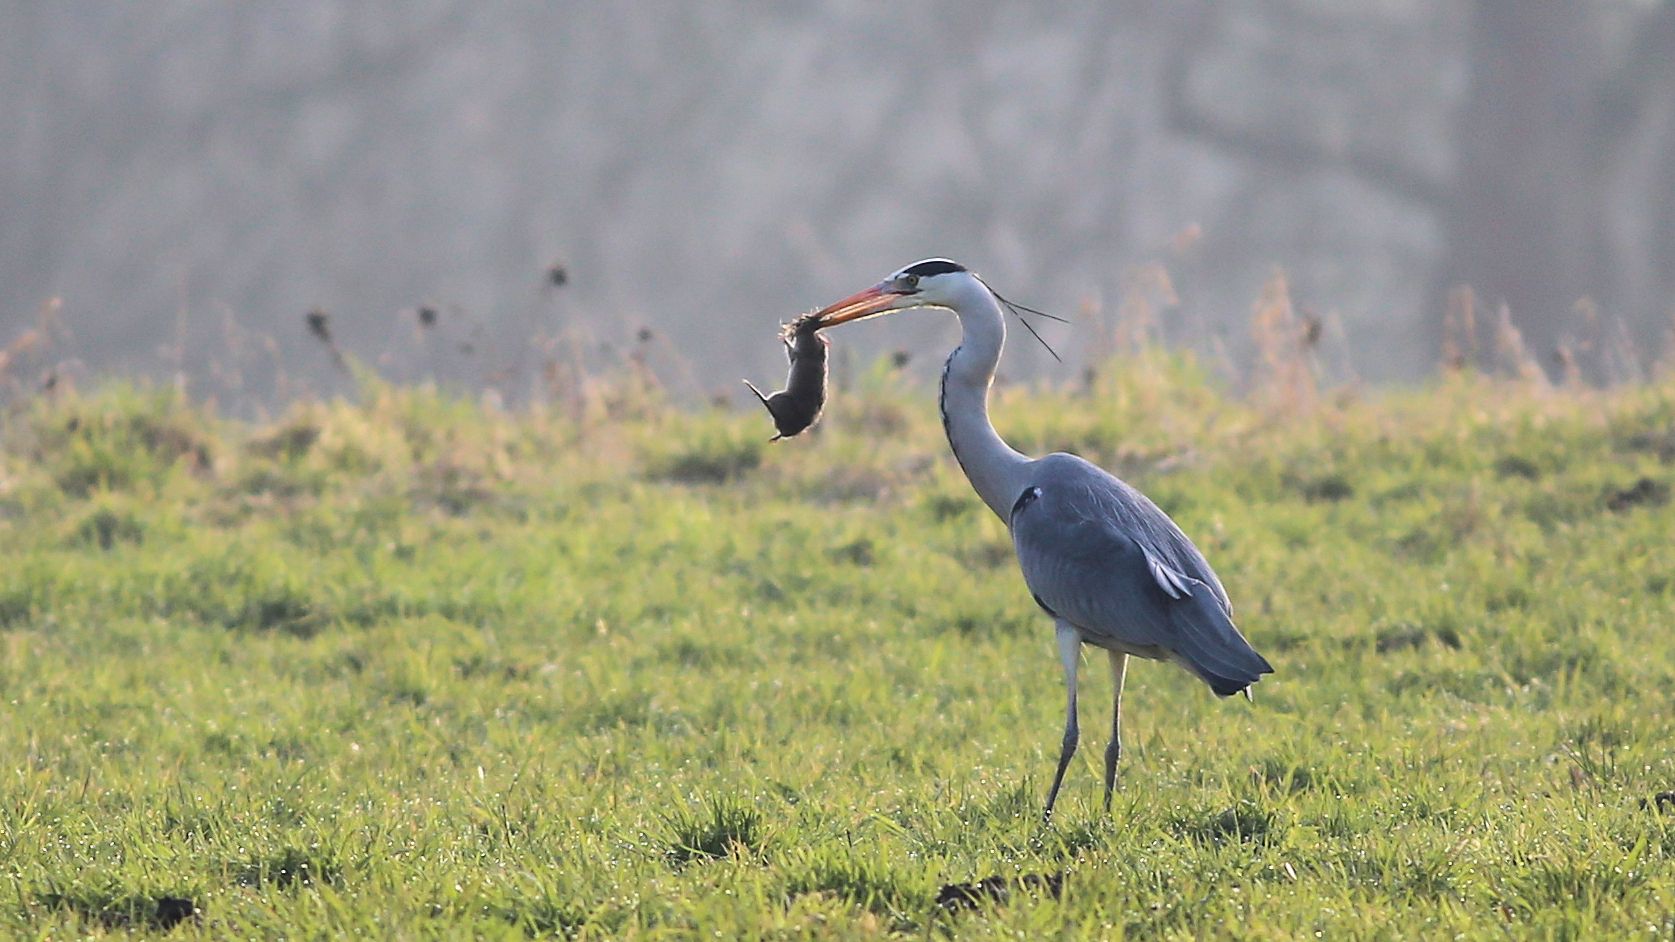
x: 1018, y: 311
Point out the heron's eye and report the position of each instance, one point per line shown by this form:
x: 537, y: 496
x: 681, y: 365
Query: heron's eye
x: 910, y: 282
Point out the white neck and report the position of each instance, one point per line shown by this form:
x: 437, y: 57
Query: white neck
x: 996, y: 471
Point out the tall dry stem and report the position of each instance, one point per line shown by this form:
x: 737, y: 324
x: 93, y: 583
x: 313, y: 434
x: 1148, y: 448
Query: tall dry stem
x: 1663, y: 368
x: 1147, y: 290
x: 1286, y: 373
x: 1459, y: 329
x: 1512, y: 353
x: 1622, y: 364
x: 31, y: 347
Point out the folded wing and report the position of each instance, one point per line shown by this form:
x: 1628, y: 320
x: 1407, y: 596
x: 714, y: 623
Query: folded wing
x: 1099, y: 554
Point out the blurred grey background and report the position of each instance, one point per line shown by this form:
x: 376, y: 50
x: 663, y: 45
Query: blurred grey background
x: 190, y: 178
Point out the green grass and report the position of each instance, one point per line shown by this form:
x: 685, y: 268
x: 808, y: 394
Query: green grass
x: 416, y: 667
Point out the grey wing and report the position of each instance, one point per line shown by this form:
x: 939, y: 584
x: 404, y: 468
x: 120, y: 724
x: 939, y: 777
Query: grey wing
x: 1103, y: 557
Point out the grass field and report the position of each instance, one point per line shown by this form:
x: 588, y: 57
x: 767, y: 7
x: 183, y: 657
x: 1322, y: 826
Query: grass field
x: 417, y: 667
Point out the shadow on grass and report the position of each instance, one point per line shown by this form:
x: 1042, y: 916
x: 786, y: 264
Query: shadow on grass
x: 291, y: 867
x: 1244, y: 823
x: 722, y: 826
x: 124, y: 912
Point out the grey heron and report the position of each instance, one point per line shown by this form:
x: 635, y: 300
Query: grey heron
x: 1104, y: 562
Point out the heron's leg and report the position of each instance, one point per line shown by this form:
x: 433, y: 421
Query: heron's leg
x: 1070, y: 652
x: 1113, y: 751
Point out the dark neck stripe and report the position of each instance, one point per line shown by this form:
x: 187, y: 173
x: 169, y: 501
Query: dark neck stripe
x: 947, y: 423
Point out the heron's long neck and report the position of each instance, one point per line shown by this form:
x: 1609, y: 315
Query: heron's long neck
x: 995, y: 470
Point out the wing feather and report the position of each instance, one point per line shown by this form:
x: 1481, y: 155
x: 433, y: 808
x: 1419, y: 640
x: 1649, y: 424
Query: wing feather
x: 1168, y: 579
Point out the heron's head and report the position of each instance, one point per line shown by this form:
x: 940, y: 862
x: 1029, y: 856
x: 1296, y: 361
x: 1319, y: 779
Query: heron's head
x: 934, y: 282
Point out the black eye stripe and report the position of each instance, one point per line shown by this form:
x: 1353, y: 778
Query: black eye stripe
x: 933, y: 266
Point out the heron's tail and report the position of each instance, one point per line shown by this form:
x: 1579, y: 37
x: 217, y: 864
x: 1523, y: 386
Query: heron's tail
x: 1210, y: 645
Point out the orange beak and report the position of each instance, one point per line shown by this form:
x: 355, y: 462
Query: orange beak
x: 869, y: 303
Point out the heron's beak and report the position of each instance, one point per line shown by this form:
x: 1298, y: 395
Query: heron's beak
x: 869, y: 303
